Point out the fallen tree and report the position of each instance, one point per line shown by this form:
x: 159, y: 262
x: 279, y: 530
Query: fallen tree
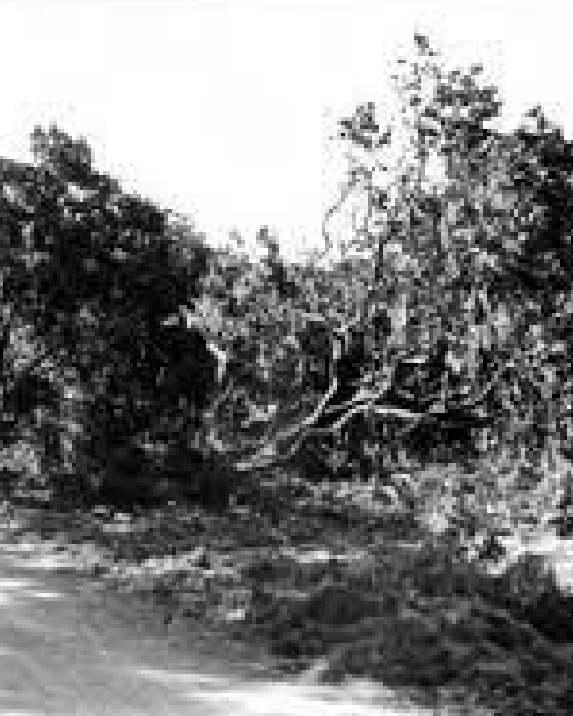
x: 455, y: 339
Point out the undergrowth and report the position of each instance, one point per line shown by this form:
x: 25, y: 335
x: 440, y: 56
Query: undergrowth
x: 328, y: 582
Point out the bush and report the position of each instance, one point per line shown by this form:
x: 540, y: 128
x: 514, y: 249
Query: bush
x: 425, y: 621
x: 528, y: 589
x: 205, y: 479
x: 129, y: 478
x: 134, y: 478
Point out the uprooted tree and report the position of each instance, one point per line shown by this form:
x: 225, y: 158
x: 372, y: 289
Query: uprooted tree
x: 444, y: 327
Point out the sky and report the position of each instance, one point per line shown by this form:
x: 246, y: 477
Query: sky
x: 222, y: 110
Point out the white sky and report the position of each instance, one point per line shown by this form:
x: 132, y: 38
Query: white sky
x: 221, y: 110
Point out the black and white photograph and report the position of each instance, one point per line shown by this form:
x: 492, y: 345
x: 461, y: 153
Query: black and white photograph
x: 286, y: 396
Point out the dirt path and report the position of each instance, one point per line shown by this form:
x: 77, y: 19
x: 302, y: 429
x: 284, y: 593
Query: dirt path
x: 67, y: 648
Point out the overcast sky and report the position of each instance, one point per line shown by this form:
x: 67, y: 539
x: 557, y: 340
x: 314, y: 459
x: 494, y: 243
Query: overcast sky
x: 221, y: 110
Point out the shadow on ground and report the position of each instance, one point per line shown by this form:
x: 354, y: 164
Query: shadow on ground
x: 69, y: 647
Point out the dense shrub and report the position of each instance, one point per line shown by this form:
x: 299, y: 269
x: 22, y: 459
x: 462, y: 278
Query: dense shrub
x: 425, y: 622
x: 133, y: 477
x: 200, y: 477
x: 528, y: 589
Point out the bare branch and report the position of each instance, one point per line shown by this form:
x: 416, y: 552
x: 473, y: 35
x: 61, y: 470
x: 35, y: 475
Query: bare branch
x: 221, y: 399
x: 361, y: 402
x: 345, y: 193
x: 268, y: 450
x: 398, y: 413
x: 490, y: 384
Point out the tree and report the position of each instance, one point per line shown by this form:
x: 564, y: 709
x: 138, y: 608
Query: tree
x: 451, y: 313
x: 99, y: 275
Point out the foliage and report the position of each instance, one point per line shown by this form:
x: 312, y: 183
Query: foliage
x: 97, y: 277
x: 432, y: 360
x: 433, y: 340
x: 421, y: 621
x: 454, y: 333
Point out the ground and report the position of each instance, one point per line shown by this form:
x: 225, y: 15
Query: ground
x: 70, y: 646
x: 262, y: 609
